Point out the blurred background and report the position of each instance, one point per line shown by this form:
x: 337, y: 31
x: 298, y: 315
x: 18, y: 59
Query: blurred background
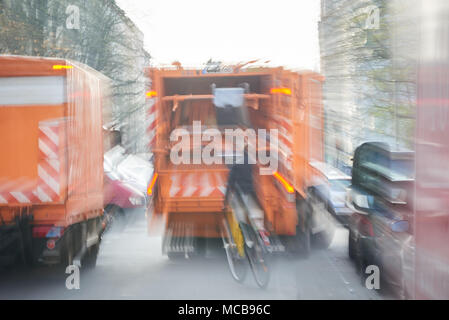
x: 358, y: 90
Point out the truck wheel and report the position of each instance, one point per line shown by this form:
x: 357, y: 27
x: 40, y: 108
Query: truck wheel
x: 299, y: 244
x: 90, y: 261
x: 176, y: 256
x: 323, y: 240
x: 68, y: 251
x: 306, y: 241
x: 27, y: 241
x: 306, y: 234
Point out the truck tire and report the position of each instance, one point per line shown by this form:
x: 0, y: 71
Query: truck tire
x: 299, y: 245
x: 306, y: 241
x: 176, y: 256
x: 90, y: 261
x: 323, y: 239
x: 306, y: 233
x: 27, y: 241
x: 68, y: 251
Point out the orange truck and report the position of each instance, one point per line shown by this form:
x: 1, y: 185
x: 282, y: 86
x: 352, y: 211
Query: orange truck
x: 190, y: 195
x: 51, y: 164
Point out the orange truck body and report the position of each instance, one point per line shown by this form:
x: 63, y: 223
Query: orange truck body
x: 193, y: 194
x: 51, y: 168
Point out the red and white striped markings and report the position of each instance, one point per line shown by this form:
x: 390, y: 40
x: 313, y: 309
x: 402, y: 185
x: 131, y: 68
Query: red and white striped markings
x: 152, y: 123
x: 46, y: 188
x: 49, y: 165
x: 285, y: 140
x: 198, y: 184
x: 18, y: 191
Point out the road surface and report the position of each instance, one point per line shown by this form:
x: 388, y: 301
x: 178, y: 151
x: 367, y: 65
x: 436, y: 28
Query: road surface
x: 130, y: 266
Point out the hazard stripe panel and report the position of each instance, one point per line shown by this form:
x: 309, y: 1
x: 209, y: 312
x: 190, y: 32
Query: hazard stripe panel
x: 197, y: 184
x: 47, y: 187
x: 151, y: 125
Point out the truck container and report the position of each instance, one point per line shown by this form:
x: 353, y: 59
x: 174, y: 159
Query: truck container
x: 191, y: 196
x: 51, y: 168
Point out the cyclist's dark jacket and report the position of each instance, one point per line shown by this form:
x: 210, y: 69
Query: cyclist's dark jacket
x: 241, y: 175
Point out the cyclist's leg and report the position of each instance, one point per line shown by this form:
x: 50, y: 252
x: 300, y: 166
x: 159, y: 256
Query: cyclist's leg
x: 253, y: 211
x: 256, y: 217
x: 238, y: 206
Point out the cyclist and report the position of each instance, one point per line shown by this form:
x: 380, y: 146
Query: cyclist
x: 241, y: 196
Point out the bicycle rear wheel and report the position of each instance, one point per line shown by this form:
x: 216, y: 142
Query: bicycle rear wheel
x: 257, y: 255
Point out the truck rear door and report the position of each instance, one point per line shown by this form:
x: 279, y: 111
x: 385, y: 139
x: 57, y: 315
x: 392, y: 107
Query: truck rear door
x: 31, y: 144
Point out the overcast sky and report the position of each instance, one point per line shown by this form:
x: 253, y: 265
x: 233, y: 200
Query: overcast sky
x: 192, y: 31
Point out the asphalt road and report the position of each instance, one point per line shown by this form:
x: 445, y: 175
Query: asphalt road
x: 130, y: 266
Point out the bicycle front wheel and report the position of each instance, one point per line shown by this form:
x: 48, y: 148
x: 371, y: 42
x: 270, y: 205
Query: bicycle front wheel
x: 257, y: 255
x: 234, y: 254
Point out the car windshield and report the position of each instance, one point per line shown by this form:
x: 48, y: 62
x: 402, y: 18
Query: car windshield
x: 136, y: 169
x: 404, y: 168
x: 392, y: 169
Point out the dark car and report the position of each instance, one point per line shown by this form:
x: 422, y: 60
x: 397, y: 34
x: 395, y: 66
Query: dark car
x: 381, y: 197
x: 331, y: 192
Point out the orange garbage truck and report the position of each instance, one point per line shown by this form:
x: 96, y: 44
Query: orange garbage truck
x: 51, y: 164
x: 285, y: 116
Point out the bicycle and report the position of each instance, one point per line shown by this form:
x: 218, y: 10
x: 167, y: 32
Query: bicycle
x: 242, y: 241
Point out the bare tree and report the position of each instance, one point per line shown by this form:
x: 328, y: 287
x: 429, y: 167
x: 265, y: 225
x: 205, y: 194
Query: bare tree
x: 107, y: 40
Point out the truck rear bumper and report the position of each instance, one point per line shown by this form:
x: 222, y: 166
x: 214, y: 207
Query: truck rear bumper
x: 189, y: 224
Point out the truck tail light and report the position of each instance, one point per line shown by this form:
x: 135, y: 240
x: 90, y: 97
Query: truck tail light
x: 51, y: 244
x: 286, y: 91
x: 151, y: 94
x: 60, y: 67
x: 288, y: 187
x: 152, y: 183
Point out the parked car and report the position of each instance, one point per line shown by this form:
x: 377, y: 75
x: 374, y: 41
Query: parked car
x: 381, y: 197
x: 126, y: 181
x: 331, y: 192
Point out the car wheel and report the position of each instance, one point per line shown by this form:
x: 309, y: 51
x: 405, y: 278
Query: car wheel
x: 351, y: 245
x: 361, y: 263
